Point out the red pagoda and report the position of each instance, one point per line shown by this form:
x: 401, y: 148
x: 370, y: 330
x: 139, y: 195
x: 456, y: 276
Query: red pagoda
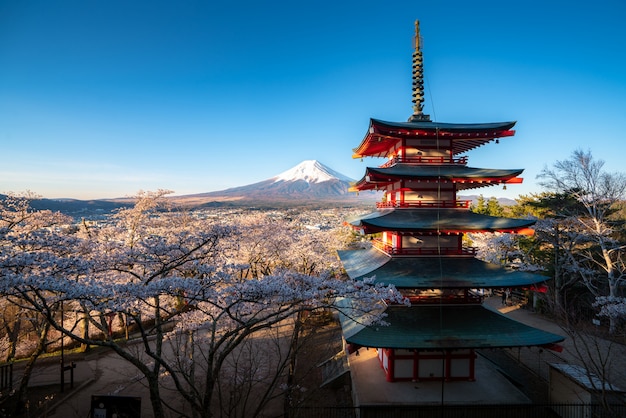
x: 418, y: 246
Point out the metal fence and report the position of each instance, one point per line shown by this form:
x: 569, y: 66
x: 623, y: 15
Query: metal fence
x: 465, y: 411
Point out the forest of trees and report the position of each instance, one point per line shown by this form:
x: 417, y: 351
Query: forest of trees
x: 198, y: 290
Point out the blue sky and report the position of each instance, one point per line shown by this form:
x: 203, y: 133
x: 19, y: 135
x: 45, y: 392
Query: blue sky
x: 101, y: 99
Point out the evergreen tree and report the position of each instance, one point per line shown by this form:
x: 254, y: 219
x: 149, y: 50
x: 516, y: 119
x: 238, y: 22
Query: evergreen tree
x: 487, y: 207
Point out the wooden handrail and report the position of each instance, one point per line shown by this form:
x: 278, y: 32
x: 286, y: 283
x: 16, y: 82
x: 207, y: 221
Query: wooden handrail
x: 447, y: 299
x: 464, y: 251
x: 424, y: 160
x: 461, y: 204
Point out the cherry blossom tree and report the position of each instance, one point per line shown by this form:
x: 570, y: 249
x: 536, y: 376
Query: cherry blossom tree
x: 177, y: 279
x: 270, y: 242
x: 509, y: 250
x: 33, y: 246
x: 599, y: 260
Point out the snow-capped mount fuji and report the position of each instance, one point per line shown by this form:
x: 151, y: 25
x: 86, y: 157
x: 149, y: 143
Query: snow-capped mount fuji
x: 308, y: 181
x: 311, y: 171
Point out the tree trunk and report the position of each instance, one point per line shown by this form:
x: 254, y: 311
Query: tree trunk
x: 22, y: 391
x: 190, y: 349
x: 13, y: 336
x: 84, y: 320
x: 293, y: 356
x: 209, y: 382
x: 559, y: 286
x: 155, y: 396
x: 612, y: 282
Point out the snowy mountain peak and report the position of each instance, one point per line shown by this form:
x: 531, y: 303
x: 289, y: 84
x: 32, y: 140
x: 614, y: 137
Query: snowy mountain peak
x: 311, y: 171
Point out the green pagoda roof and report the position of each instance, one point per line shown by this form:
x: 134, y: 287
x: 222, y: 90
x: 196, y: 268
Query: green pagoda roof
x: 492, y: 128
x: 432, y: 272
x: 438, y: 220
x: 455, y: 327
x: 381, y: 135
x: 464, y: 177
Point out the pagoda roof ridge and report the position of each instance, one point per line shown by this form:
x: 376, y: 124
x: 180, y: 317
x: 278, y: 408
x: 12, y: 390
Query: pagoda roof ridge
x: 444, y: 170
x: 432, y: 272
x: 437, y: 220
x: 428, y: 124
x: 465, y: 177
x: 382, y: 135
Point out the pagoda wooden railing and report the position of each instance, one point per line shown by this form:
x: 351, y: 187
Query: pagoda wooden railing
x: 424, y: 160
x: 389, y: 249
x: 446, y: 299
x: 460, y: 204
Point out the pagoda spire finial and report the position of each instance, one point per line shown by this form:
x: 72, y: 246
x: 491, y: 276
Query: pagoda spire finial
x: 418, y: 78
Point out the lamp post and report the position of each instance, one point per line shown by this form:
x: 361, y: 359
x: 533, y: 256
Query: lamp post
x: 62, y: 353
x: 72, y: 365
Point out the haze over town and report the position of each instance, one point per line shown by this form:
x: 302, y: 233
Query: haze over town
x: 100, y: 100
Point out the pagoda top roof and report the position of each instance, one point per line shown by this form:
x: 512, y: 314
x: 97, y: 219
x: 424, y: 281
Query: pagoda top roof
x: 455, y: 327
x: 381, y: 135
x: 464, y: 177
x: 436, y: 220
x: 431, y: 272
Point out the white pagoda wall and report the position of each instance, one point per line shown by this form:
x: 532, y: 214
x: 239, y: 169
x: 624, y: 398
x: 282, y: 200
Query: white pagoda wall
x: 460, y: 367
x: 401, y: 365
x: 430, y: 368
x: 403, y: 369
x: 451, y: 242
x: 428, y: 195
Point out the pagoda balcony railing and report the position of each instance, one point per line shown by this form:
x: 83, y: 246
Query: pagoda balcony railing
x: 389, y: 249
x: 460, y: 204
x: 446, y: 299
x: 424, y: 160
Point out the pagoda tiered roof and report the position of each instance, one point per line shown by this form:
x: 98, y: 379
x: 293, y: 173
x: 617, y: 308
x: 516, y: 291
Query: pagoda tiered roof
x: 437, y: 220
x: 434, y: 328
x: 464, y: 177
x: 433, y: 272
x: 465, y: 136
x: 420, y: 250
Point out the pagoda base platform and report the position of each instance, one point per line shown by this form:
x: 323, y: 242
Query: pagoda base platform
x: 370, y: 388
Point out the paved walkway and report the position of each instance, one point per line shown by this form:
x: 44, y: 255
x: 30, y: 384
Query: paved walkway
x: 99, y: 373
x: 604, y: 358
x: 104, y: 373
